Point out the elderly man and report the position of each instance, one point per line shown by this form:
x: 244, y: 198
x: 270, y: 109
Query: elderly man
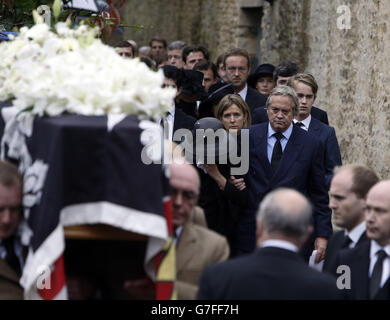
x: 175, y: 53
x: 348, y: 194
x: 369, y: 264
x: 283, y: 155
x: 275, y: 271
x: 197, y: 247
x: 11, y: 251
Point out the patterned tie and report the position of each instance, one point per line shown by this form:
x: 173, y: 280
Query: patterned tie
x: 376, y: 277
x: 277, y: 152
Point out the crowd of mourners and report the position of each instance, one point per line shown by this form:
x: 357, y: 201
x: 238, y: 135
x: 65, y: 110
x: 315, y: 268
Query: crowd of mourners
x: 268, y: 232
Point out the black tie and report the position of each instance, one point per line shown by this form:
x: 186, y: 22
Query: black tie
x: 347, y: 241
x: 11, y: 258
x: 299, y: 124
x: 376, y: 277
x: 277, y: 152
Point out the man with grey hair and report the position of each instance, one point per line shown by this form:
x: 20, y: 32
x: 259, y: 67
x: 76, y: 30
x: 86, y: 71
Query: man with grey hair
x: 275, y: 271
x: 283, y: 155
x: 175, y: 53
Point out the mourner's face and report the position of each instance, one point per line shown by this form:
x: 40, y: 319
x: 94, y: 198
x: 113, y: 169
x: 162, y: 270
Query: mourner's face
x: 237, y: 71
x: 378, y: 213
x: 282, y: 81
x: 184, y: 192
x: 306, y: 99
x: 10, y: 209
x: 208, y: 79
x: 348, y: 208
x: 175, y: 58
x: 280, y: 113
x: 193, y: 58
x: 233, y: 118
x: 265, y: 85
x: 126, y: 52
x: 157, y: 49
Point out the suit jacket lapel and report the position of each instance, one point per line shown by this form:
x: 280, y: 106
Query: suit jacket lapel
x: 261, y: 148
x: 359, y: 267
x: 313, y: 126
x: 186, y: 244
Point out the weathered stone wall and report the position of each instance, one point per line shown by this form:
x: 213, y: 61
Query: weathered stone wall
x: 352, y: 67
x: 213, y: 23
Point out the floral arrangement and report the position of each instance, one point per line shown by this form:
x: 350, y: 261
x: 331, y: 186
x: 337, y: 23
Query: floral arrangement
x: 49, y: 72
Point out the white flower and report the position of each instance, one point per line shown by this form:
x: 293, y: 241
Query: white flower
x: 70, y: 71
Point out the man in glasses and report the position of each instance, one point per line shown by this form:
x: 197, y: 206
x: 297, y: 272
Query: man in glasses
x: 237, y: 67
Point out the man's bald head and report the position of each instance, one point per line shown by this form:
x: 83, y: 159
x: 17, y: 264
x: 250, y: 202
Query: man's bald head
x: 285, y: 212
x: 185, y: 186
x: 378, y: 213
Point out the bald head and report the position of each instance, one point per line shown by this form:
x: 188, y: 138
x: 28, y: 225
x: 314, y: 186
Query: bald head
x: 378, y: 213
x: 285, y: 212
x: 185, y: 185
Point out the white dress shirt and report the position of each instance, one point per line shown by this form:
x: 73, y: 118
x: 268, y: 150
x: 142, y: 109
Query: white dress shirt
x: 375, y: 247
x: 305, y: 122
x: 243, y: 92
x: 355, y: 234
x: 280, y: 244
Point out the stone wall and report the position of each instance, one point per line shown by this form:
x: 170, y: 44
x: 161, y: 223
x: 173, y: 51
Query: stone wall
x: 352, y: 67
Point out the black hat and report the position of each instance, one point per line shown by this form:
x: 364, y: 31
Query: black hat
x: 216, y: 93
x: 191, y: 83
x: 262, y: 70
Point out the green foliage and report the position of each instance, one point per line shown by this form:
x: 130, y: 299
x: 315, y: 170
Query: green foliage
x: 15, y: 14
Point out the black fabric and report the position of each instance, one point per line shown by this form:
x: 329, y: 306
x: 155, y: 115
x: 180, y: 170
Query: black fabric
x: 277, y: 151
x: 11, y: 258
x: 376, y: 277
x: 299, y: 124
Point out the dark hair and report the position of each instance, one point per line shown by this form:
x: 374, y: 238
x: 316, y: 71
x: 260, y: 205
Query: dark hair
x: 171, y: 72
x: 124, y: 44
x: 220, y: 59
x: 163, y: 41
x: 237, y: 52
x: 188, y: 49
x: 9, y: 174
x: 286, y: 69
x: 161, y: 58
x: 204, y: 65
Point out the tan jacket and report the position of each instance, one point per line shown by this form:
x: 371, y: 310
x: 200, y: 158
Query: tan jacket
x: 9, y: 283
x: 197, y: 248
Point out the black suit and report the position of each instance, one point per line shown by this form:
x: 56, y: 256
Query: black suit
x: 335, y: 245
x: 358, y: 260
x: 268, y: 274
x: 255, y: 100
x: 182, y: 121
x: 260, y: 115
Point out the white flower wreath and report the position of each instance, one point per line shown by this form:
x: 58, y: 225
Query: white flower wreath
x: 70, y: 70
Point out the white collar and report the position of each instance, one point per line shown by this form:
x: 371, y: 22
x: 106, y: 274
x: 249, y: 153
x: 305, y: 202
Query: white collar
x: 243, y: 92
x: 306, y: 122
x: 356, y: 232
x: 375, y: 247
x: 280, y: 244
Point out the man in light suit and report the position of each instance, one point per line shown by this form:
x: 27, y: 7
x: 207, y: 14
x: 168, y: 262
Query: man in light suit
x: 275, y: 271
x: 348, y: 194
x: 369, y: 263
x: 196, y: 246
x: 11, y: 251
x: 283, y: 155
x: 237, y: 66
x: 306, y: 88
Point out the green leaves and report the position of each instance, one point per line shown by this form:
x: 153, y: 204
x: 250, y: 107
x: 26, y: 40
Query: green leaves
x: 56, y: 9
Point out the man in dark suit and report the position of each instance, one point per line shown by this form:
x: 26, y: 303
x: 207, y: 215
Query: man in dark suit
x: 11, y: 250
x: 283, y: 155
x: 275, y: 271
x: 306, y: 88
x: 369, y: 263
x: 282, y: 73
x: 237, y: 66
x: 348, y: 193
